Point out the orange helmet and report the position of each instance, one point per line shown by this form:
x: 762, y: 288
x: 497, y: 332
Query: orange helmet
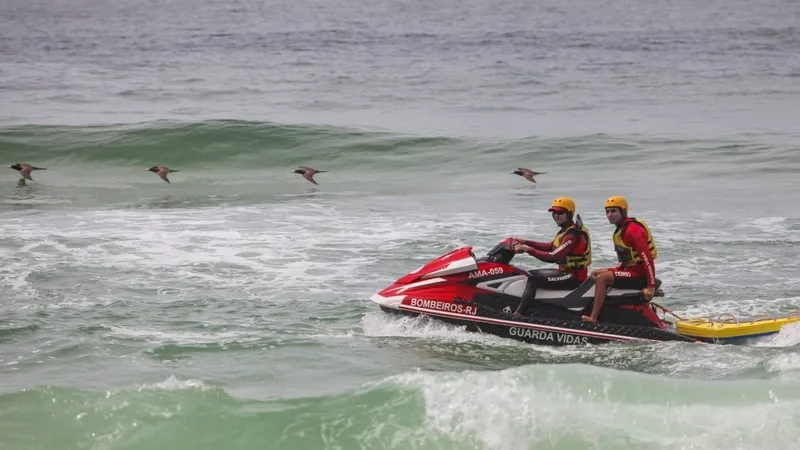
x: 564, y: 203
x: 617, y: 202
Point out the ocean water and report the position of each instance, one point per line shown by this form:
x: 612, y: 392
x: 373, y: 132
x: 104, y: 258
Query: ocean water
x: 229, y: 309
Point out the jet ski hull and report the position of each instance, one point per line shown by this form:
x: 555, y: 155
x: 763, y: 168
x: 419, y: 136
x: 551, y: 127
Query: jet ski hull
x: 537, y: 330
x: 482, y: 293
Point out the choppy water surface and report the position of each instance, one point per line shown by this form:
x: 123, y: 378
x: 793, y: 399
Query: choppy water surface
x: 229, y: 309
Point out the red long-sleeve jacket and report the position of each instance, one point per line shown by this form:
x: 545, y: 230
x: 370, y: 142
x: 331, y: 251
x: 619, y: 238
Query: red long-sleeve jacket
x: 635, y: 236
x: 571, y: 244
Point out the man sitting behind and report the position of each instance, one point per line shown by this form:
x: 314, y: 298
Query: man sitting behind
x: 636, y: 252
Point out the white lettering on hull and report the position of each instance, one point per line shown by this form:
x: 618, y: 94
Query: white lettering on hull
x: 443, y: 306
x: 549, y: 336
x: 486, y: 272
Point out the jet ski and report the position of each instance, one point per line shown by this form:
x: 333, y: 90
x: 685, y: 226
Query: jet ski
x: 481, y: 293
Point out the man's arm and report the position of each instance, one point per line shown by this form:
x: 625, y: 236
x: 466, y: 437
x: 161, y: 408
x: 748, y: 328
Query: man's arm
x: 557, y: 254
x: 543, y: 246
x: 636, y: 237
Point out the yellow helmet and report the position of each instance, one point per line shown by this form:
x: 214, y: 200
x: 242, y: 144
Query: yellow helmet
x: 564, y: 203
x: 617, y: 202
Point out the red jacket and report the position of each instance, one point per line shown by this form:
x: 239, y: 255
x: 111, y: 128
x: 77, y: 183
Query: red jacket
x: 571, y: 244
x: 635, y: 236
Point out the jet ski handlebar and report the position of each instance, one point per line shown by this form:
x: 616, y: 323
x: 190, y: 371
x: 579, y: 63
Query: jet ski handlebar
x: 501, y: 253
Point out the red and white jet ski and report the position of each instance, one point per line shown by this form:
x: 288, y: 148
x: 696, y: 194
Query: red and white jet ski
x: 481, y: 293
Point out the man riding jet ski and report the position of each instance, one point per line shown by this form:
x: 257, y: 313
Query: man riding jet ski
x: 571, y: 249
x: 636, y: 251
x: 483, y: 292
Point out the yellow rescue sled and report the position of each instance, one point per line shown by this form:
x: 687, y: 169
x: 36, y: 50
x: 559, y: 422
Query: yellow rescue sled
x: 727, y: 329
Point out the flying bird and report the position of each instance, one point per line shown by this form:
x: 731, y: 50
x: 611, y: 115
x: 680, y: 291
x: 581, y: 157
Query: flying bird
x: 162, y: 171
x: 308, y: 173
x: 527, y: 173
x: 25, y: 169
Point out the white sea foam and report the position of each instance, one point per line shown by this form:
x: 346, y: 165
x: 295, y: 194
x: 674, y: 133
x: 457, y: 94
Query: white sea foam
x: 152, y: 336
x: 577, y: 406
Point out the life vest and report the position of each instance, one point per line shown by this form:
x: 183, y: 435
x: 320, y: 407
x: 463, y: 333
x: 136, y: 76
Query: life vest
x: 575, y: 261
x: 627, y: 255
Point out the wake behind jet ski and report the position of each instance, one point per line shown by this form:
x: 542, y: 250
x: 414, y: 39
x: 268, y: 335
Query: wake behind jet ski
x: 481, y: 293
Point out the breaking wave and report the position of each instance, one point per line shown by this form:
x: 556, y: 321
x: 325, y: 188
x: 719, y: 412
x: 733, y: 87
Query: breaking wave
x: 557, y: 406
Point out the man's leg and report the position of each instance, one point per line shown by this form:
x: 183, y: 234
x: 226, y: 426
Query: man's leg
x: 605, y: 278
x: 618, y: 278
x: 544, y: 278
x: 534, y: 277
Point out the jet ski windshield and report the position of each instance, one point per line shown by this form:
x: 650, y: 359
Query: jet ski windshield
x: 500, y: 253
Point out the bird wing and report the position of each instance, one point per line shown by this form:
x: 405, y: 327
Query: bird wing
x: 310, y: 177
x: 163, y: 174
